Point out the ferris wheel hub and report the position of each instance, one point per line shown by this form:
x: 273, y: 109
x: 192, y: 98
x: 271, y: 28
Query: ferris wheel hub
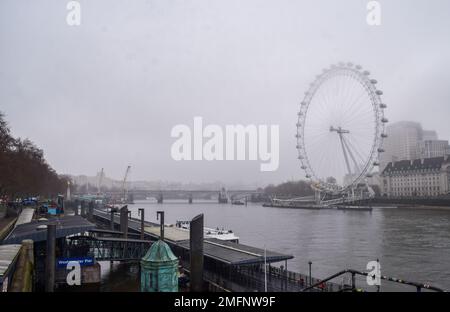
x: 339, y: 130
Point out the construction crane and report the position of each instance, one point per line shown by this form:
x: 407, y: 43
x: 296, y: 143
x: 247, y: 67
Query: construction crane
x: 100, y: 180
x: 124, y: 184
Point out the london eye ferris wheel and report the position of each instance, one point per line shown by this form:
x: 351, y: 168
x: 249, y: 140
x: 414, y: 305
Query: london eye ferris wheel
x: 340, y: 128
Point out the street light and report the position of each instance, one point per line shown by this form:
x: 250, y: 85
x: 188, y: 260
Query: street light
x: 310, y: 276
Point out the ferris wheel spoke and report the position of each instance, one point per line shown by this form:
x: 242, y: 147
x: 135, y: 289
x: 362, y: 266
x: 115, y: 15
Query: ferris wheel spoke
x: 359, y: 116
x: 354, y: 106
x: 356, y: 91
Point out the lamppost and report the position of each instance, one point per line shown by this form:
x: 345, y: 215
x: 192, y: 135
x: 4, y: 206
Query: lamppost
x: 265, y: 269
x: 310, y: 276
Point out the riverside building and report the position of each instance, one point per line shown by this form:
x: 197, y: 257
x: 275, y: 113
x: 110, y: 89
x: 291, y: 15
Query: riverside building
x: 426, y: 177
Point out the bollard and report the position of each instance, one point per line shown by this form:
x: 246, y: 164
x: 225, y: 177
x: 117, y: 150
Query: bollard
x: 196, y: 253
x: 50, y: 258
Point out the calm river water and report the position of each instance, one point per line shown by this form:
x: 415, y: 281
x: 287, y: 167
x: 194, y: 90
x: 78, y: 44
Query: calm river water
x: 412, y: 244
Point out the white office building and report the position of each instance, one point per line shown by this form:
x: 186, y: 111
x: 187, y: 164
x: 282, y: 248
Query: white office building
x: 408, y: 141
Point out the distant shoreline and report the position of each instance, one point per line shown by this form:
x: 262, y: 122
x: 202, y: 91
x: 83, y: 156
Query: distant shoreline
x: 423, y: 207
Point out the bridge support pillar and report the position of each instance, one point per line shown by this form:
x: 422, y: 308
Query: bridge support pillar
x: 160, y: 198
x: 196, y: 253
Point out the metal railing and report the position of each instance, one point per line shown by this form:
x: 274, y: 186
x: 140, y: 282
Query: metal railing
x: 419, y: 287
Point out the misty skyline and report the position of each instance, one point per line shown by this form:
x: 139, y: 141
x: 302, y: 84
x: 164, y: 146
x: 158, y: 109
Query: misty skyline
x: 107, y: 93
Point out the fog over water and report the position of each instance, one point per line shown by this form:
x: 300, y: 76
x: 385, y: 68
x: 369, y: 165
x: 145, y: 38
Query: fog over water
x: 107, y: 93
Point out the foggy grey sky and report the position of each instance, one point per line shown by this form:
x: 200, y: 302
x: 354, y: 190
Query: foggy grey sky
x: 107, y: 93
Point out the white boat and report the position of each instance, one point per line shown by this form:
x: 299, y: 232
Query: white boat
x: 221, y: 234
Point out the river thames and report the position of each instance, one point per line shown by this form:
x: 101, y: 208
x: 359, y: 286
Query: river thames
x: 411, y: 243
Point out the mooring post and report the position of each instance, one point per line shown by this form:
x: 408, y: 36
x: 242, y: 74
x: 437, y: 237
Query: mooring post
x: 124, y: 221
x: 160, y: 216
x: 75, y: 207
x: 50, y: 258
x: 196, y: 253
x: 83, y: 209
x: 91, y: 211
x: 141, y: 214
x: 112, y: 218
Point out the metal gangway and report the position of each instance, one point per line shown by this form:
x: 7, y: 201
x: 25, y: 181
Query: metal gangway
x: 107, y: 248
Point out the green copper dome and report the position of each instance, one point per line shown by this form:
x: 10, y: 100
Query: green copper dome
x: 159, y: 252
x: 159, y: 269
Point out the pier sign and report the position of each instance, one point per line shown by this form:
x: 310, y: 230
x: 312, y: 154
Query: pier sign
x: 83, y: 261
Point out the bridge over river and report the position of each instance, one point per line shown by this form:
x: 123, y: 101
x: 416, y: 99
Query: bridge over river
x: 179, y: 194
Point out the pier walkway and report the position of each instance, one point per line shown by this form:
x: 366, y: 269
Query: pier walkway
x: 228, y: 266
